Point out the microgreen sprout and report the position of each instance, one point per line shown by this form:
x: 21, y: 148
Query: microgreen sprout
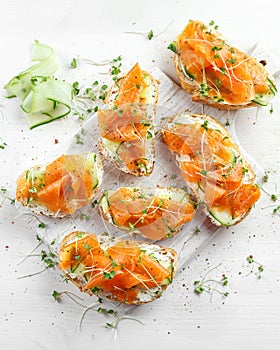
x: 150, y: 34
x: 273, y: 197
x: 94, y: 203
x: 117, y: 320
x: 30, y: 254
x: 265, y: 177
x: 205, y: 125
x: 4, y: 195
x: 74, y: 63
x: 57, y: 296
x: 204, y: 89
x: 212, y: 24
x: 109, y: 275
x: 90, y: 98
x: 172, y: 46
x: 79, y: 139
x: 276, y: 210
x: 75, y: 88
x: 131, y: 227
x: 253, y: 265
x: 107, y: 312
x: 203, y: 172
x: 84, y: 216
x: 49, y: 258
x: 2, y: 144
x: 210, y: 285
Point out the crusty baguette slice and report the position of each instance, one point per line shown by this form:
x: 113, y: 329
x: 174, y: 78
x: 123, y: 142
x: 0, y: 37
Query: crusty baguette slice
x: 217, y: 74
x: 120, y: 270
x: 154, y: 213
x: 217, y: 174
x: 133, y: 155
x: 61, y: 187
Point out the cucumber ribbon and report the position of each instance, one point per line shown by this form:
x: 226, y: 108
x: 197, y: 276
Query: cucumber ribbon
x: 43, y: 97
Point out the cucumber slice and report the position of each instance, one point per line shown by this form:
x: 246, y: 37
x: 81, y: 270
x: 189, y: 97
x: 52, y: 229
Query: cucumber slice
x: 38, y: 119
x: 233, y: 156
x: 179, y: 196
x: 272, y: 86
x: 95, y: 169
x: 224, y: 217
x: 40, y: 52
x: 20, y: 85
x: 48, y: 100
x: 264, y: 99
x: 111, y: 146
x: 79, y: 270
x: 104, y: 202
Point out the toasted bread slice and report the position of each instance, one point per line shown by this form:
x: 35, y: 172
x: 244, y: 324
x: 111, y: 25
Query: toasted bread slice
x: 155, y: 214
x: 61, y: 187
x: 212, y: 165
x: 127, y: 126
x: 121, y: 270
x: 217, y: 74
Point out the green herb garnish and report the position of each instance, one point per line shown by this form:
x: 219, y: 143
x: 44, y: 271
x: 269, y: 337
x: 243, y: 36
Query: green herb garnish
x: 150, y: 35
x: 74, y: 63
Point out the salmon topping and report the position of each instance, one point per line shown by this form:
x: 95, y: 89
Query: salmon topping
x: 213, y: 163
x: 121, y: 270
x: 131, y: 86
x: 154, y: 217
x: 129, y: 124
x: 64, y: 185
x: 224, y: 73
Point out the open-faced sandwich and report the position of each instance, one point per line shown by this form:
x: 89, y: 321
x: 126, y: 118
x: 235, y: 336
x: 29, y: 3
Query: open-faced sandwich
x: 121, y: 270
x: 61, y: 187
x: 156, y: 213
x: 213, y: 167
x: 218, y: 74
x: 127, y: 126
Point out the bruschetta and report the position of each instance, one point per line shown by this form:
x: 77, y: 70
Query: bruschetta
x: 61, y: 187
x: 218, y: 74
x: 213, y: 167
x: 127, y: 126
x: 153, y: 213
x: 121, y: 270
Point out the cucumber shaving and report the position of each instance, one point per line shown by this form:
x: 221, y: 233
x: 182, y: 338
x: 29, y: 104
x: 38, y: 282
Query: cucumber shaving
x: 224, y: 217
x: 43, y: 97
x: 264, y: 99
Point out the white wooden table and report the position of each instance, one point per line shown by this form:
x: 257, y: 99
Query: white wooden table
x: 29, y: 317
